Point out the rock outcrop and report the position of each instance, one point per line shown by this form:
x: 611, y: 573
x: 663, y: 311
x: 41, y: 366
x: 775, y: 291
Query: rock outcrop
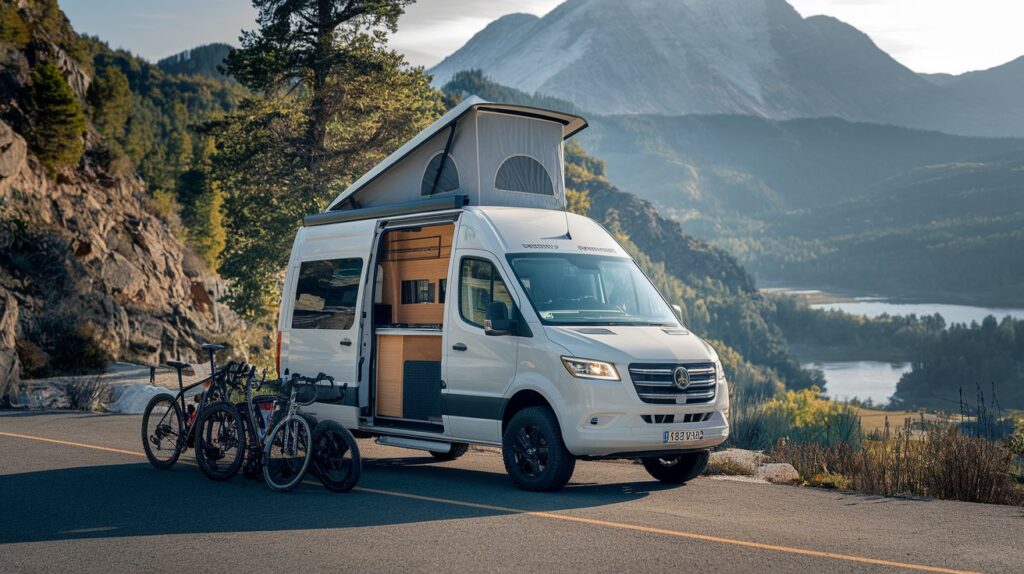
x: 85, y: 251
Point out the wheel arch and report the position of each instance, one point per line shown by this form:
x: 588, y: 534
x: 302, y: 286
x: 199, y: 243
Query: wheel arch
x: 522, y: 399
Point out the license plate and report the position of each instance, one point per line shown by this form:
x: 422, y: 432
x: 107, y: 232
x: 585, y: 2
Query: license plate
x: 682, y: 435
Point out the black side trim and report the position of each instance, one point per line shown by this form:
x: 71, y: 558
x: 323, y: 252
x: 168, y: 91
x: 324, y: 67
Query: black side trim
x: 422, y: 426
x: 472, y: 406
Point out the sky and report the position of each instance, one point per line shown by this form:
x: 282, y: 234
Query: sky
x: 951, y: 36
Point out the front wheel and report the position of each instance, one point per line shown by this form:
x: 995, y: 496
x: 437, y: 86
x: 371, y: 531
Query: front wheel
x: 534, y: 453
x: 220, y: 441
x: 336, y: 459
x: 287, y: 453
x: 679, y: 468
x: 162, y: 430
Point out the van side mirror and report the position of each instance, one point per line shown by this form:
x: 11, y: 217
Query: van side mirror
x: 497, y: 321
x: 679, y: 311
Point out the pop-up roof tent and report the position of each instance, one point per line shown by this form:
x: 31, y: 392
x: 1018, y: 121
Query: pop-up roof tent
x: 493, y: 154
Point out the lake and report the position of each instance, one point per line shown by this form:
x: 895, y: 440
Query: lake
x: 951, y: 313
x: 875, y: 380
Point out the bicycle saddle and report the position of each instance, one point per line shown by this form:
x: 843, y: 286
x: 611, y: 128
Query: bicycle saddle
x: 177, y: 364
x: 212, y: 347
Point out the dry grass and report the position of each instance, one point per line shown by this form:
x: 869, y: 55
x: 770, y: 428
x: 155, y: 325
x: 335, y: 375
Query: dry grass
x: 729, y: 467
x: 937, y: 461
x: 875, y: 420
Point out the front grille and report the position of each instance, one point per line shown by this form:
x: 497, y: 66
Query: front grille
x: 672, y: 419
x: 655, y: 383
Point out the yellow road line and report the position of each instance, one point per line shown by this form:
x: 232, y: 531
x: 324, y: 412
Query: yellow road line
x: 69, y: 443
x: 583, y: 520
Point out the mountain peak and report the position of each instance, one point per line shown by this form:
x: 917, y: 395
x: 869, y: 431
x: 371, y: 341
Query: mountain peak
x: 750, y: 57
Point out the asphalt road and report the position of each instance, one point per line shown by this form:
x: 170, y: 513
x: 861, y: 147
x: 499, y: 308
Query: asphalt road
x: 76, y: 493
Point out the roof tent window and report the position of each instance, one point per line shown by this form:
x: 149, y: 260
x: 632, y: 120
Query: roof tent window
x: 449, y: 180
x: 525, y: 174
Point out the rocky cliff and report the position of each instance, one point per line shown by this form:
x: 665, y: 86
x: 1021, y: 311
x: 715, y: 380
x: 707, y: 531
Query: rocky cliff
x: 88, y: 272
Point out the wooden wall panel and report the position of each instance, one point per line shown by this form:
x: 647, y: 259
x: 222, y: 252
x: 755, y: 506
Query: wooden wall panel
x: 412, y: 255
x: 392, y: 353
x: 389, y: 375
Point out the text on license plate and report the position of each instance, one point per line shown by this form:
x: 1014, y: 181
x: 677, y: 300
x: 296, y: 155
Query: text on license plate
x: 682, y: 435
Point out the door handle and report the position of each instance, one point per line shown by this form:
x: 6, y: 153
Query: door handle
x: 459, y: 346
x: 346, y: 342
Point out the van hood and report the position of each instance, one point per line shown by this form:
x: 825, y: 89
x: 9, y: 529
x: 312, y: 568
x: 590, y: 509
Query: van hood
x: 627, y: 344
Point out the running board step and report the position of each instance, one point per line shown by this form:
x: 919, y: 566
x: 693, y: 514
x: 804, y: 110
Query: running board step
x: 415, y: 443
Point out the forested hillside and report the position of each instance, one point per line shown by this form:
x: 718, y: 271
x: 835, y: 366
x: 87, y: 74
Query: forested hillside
x: 206, y: 60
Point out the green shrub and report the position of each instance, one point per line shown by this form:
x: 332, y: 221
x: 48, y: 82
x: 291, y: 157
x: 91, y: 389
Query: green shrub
x: 797, y: 416
x: 12, y: 26
x: 58, y: 344
x: 57, y: 135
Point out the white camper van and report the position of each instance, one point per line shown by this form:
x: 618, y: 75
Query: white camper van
x: 463, y: 305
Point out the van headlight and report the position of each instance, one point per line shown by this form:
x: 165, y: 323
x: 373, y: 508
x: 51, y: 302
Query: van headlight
x: 590, y: 369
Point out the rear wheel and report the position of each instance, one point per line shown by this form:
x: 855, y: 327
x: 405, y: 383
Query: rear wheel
x: 458, y: 449
x: 534, y: 453
x: 287, y: 453
x: 220, y: 441
x: 162, y: 430
x: 677, y: 469
x: 336, y: 459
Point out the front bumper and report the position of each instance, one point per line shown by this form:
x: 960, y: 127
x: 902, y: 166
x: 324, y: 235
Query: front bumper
x: 602, y: 426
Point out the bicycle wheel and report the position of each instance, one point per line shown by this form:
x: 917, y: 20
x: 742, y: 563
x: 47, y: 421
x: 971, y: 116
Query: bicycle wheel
x: 220, y: 441
x: 336, y: 459
x: 287, y: 454
x: 162, y: 430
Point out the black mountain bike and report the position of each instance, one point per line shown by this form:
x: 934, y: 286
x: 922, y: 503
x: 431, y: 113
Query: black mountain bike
x: 230, y: 436
x: 168, y: 423
x: 220, y: 430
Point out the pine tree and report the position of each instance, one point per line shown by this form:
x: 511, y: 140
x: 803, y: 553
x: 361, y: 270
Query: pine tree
x: 57, y: 136
x: 111, y: 101
x: 333, y: 101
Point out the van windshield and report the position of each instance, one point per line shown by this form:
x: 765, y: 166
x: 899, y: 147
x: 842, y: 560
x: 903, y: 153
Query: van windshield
x: 574, y: 289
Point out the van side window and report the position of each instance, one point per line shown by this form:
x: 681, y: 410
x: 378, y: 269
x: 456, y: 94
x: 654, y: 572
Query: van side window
x: 326, y: 294
x: 525, y: 174
x: 479, y: 284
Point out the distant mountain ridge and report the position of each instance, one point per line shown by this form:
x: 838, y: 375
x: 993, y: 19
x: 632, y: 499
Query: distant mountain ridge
x: 823, y: 202
x: 749, y: 57
x: 199, y: 61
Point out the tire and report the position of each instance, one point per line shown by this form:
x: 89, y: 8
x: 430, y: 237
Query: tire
x: 220, y: 441
x: 534, y: 453
x: 458, y: 449
x: 164, y: 442
x: 677, y: 469
x: 336, y: 460
x: 285, y: 462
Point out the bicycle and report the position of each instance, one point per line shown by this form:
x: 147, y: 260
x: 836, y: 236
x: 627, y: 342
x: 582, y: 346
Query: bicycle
x: 290, y: 446
x: 166, y: 437
x: 220, y: 435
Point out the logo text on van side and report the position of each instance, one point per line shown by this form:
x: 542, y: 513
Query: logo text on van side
x: 540, y: 246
